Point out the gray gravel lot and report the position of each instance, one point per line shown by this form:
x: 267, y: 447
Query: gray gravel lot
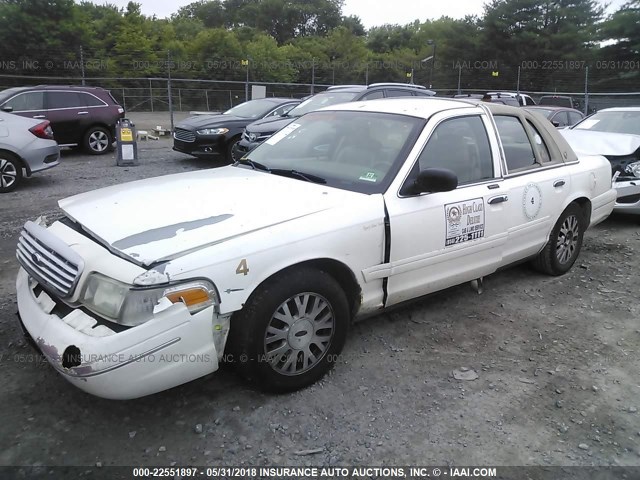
x: 557, y: 363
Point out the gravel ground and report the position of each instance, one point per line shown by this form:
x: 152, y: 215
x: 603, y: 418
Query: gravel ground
x: 551, y: 368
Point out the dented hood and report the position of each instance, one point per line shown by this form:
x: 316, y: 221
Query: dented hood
x: 159, y: 218
x: 601, y: 143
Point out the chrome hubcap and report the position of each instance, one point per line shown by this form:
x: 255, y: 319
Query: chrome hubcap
x: 567, y: 239
x: 98, y: 141
x: 299, y: 333
x: 8, y: 173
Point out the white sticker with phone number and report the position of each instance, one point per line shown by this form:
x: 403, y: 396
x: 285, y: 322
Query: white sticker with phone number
x: 465, y: 221
x: 282, y: 133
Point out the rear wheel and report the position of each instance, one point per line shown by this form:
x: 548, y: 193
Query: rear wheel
x: 97, y: 141
x: 10, y: 172
x: 564, y: 244
x: 291, y: 330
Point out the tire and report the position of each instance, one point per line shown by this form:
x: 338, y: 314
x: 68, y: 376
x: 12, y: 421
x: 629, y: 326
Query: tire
x: 281, y: 350
x: 565, y: 242
x: 97, y: 141
x: 232, y: 153
x: 10, y: 172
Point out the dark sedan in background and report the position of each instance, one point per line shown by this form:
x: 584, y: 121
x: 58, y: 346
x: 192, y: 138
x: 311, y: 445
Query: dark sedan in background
x: 260, y: 130
x: 216, y: 135
x: 559, y: 116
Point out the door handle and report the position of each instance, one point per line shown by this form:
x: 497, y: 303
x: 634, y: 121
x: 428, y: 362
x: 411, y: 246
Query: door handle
x: 83, y: 113
x: 498, y: 199
x: 558, y: 183
x: 39, y: 116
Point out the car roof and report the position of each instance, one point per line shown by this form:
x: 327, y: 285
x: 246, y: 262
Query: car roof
x: 621, y: 109
x: 422, y: 107
x: 362, y: 88
x: 550, y: 107
x: 51, y: 87
x: 279, y: 99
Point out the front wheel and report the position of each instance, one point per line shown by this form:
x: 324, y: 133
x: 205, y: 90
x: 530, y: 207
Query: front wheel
x: 10, y: 172
x: 290, y: 332
x: 233, y: 154
x: 97, y: 141
x: 564, y: 244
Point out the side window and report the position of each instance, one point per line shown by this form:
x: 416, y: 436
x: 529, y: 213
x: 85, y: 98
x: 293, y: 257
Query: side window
x: 373, y: 95
x: 574, y: 118
x: 398, y: 93
x: 461, y: 145
x: 561, y: 118
x: 63, y: 100
x: 515, y: 143
x: 278, y: 112
x: 90, y: 100
x: 26, y: 102
x: 539, y: 145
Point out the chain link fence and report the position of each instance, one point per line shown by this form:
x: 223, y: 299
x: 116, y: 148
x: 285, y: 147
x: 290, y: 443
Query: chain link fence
x: 593, y: 85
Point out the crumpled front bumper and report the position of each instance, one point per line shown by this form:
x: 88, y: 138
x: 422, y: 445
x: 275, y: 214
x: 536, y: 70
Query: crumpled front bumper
x: 173, y: 348
x: 628, y: 200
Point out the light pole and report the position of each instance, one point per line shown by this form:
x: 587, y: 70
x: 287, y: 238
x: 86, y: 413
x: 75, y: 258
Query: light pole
x: 433, y: 59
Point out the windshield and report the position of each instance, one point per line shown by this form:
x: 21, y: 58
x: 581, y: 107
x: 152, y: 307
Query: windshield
x: 613, y: 122
x: 252, y: 109
x: 320, y: 100
x: 357, y: 151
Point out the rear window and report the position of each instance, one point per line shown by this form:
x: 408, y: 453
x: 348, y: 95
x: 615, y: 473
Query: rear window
x: 91, y: 100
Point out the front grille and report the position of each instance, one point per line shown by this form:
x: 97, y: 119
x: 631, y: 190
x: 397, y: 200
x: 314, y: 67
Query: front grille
x: 184, y: 135
x: 256, y: 137
x: 49, y: 260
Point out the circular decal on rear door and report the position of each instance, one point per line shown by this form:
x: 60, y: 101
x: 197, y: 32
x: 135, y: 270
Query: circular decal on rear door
x: 531, y: 201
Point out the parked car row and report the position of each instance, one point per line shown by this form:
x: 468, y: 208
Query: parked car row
x: 236, y: 134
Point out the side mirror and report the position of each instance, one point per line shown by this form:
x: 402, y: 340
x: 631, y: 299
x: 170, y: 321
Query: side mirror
x: 555, y: 123
x: 434, y: 180
x: 7, y: 109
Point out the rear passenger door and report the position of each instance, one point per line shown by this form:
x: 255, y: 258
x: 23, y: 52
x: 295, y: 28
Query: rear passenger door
x: 68, y: 115
x: 536, y: 180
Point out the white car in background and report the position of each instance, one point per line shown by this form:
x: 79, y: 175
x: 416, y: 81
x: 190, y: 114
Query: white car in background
x: 26, y: 147
x: 615, y: 134
x: 344, y: 212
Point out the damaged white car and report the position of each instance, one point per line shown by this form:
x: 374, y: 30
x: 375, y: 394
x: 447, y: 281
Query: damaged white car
x: 348, y: 210
x: 615, y: 134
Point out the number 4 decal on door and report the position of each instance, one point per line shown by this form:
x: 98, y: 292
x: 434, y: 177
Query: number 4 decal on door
x: 242, y: 269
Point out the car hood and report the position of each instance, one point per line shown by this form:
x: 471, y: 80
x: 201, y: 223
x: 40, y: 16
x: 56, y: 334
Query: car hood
x: 269, y: 124
x: 601, y: 143
x: 205, y: 121
x: 162, y: 218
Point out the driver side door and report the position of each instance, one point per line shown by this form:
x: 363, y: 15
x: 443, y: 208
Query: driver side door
x: 442, y: 239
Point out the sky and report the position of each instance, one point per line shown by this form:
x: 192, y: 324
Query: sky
x: 371, y: 12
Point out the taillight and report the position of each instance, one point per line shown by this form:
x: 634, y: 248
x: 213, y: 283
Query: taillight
x: 42, y: 130
x: 120, y: 110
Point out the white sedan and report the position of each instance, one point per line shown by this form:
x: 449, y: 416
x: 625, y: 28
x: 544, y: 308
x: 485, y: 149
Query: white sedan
x: 614, y: 133
x: 343, y: 213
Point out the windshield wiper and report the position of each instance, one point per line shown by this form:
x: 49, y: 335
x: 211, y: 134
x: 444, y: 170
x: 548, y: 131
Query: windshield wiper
x: 307, y: 177
x: 252, y: 164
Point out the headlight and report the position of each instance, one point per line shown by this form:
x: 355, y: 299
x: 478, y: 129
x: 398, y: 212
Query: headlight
x: 212, y: 131
x: 633, y: 169
x: 129, y: 305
